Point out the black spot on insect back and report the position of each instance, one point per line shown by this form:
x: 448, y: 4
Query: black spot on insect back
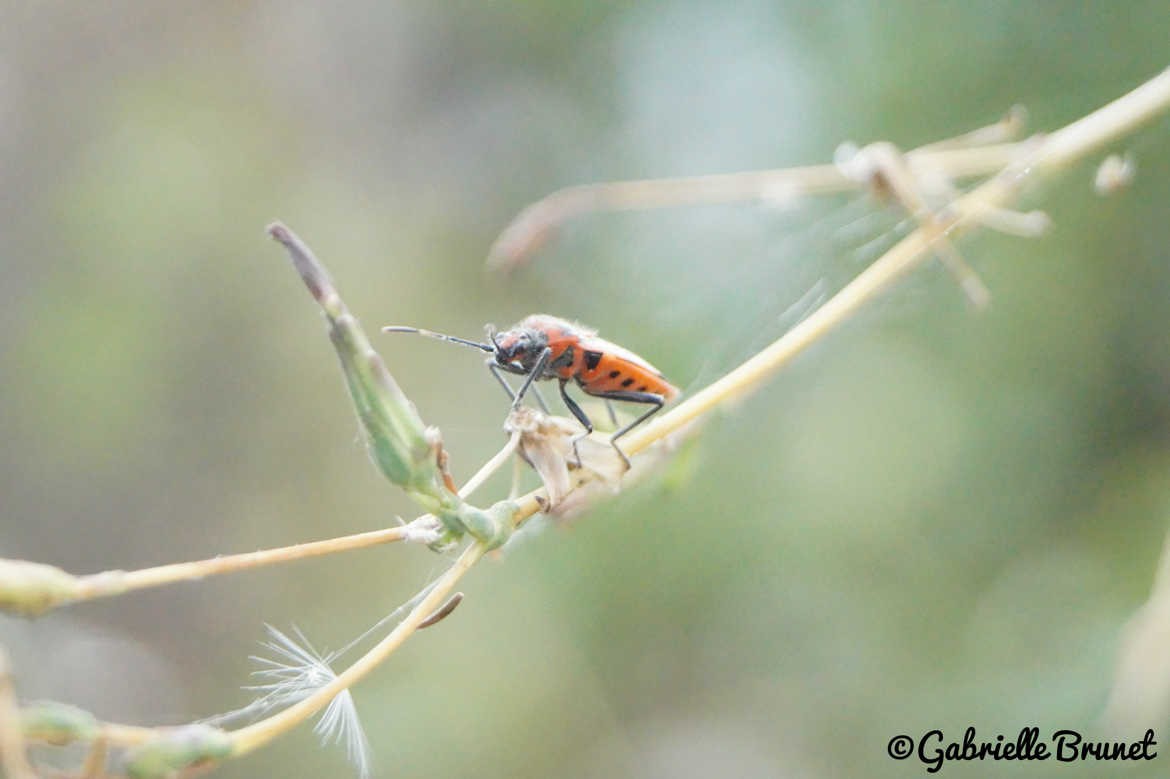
x: 592, y: 359
x: 627, y: 382
x: 614, y: 374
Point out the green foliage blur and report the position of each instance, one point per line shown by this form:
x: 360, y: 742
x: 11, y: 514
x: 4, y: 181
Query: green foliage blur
x: 933, y: 519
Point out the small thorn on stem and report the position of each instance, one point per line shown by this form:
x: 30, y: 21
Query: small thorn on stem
x: 442, y: 612
x: 1115, y: 173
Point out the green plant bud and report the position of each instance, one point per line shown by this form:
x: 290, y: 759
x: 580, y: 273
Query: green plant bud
x: 31, y: 589
x: 177, y: 749
x: 57, y: 723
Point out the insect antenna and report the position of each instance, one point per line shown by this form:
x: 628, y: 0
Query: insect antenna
x: 440, y: 336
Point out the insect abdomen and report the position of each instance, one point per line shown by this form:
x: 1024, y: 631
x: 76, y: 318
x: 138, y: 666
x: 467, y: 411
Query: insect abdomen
x: 615, y: 374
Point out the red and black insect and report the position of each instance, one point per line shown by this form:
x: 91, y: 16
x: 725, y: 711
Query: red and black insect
x: 545, y: 347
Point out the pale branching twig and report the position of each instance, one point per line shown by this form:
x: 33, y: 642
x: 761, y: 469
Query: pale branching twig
x: 499, y: 460
x: 887, y: 168
x: 50, y: 587
x: 535, y: 225
x: 980, y: 152
x: 117, y: 582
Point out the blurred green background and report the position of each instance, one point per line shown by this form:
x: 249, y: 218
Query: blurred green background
x: 932, y: 519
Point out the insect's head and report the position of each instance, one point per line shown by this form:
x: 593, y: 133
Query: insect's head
x: 520, y: 345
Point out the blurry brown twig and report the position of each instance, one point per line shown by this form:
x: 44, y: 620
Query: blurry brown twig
x: 888, y: 170
x: 981, y: 152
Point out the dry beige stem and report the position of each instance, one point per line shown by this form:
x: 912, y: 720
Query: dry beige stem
x: 980, y: 152
x: 888, y: 173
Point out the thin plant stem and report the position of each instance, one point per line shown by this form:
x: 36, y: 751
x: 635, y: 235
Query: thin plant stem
x: 978, y: 153
x: 759, y: 184
x: 547, y: 214
x: 127, y: 735
x: 109, y: 583
x: 95, y: 760
x: 500, y: 459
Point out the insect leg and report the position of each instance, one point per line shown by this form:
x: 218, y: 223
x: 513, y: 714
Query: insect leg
x: 540, y: 400
x: 612, y: 415
x: 533, y: 374
x: 633, y: 397
x: 495, y: 369
x: 584, y: 420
